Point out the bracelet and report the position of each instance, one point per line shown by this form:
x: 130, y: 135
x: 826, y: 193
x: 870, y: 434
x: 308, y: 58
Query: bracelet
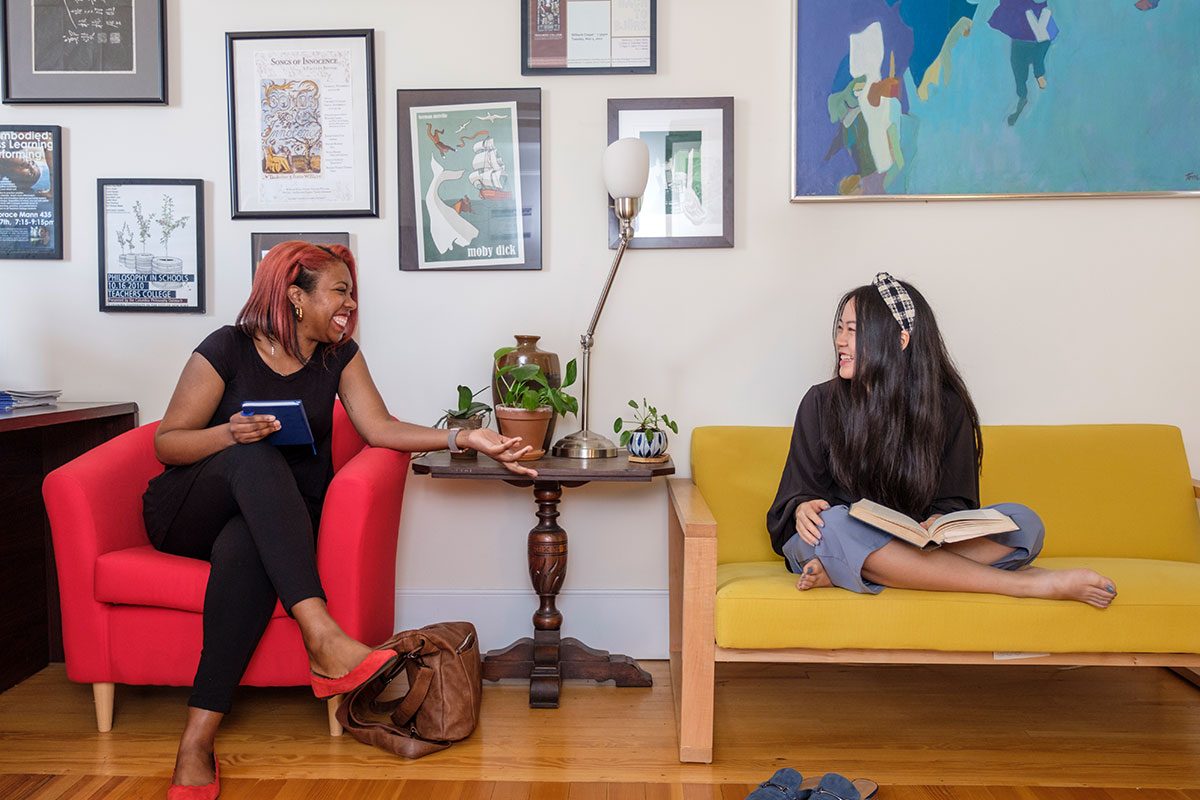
x: 451, y: 442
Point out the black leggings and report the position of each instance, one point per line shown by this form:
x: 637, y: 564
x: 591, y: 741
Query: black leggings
x: 245, y: 516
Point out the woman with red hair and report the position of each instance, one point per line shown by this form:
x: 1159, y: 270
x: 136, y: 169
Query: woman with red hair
x: 250, y: 508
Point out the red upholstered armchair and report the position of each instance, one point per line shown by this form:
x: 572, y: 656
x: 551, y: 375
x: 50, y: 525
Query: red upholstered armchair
x: 133, y: 615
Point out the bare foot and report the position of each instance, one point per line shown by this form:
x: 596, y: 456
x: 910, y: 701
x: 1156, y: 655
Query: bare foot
x: 337, y: 658
x: 1084, y: 585
x: 814, y: 576
x: 1042, y: 82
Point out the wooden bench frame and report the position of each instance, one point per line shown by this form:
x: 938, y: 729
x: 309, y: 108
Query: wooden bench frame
x: 692, y: 548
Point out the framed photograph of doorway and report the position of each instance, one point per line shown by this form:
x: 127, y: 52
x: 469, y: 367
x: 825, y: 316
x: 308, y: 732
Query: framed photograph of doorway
x: 689, y: 196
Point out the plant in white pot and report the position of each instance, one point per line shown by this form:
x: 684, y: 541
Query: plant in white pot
x: 168, y: 223
x: 144, y: 261
x: 646, y: 440
x: 528, y: 401
x: 469, y: 414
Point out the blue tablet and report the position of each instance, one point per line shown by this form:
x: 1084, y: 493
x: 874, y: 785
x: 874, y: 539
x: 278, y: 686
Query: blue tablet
x: 292, y: 419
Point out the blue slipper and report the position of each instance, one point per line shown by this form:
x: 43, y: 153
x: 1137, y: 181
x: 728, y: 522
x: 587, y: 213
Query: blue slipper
x: 783, y: 785
x: 832, y: 786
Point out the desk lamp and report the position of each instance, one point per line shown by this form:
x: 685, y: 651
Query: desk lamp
x: 626, y: 168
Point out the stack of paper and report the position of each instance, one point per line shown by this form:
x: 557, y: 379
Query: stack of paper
x: 11, y: 398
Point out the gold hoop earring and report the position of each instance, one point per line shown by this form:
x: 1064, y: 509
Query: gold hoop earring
x: 299, y: 313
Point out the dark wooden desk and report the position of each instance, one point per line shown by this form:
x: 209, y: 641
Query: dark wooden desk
x: 33, y: 442
x: 545, y: 659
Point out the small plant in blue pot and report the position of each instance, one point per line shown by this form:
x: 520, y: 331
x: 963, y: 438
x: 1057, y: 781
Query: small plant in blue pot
x: 645, y: 438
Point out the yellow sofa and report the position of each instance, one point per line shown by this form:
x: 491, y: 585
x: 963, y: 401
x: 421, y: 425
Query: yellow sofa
x: 1116, y: 498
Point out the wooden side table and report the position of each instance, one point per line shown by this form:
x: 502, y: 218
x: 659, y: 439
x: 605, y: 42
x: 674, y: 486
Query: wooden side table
x: 33, y: 442
x: 545, y: 658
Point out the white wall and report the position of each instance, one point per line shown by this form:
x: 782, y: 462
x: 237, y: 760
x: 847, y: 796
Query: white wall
x: 1057, y: 311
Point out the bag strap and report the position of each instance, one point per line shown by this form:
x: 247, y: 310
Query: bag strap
x: 401, y: 735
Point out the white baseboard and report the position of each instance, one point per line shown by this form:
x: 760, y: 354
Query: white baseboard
x: 633, y: 622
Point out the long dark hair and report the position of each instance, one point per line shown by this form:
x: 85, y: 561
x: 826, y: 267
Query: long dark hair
x: 887, y: 425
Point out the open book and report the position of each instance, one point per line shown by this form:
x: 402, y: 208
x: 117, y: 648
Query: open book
x: 953, y: 527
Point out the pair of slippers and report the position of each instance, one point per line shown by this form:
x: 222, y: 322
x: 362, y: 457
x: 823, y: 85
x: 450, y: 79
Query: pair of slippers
x: 787, y: 784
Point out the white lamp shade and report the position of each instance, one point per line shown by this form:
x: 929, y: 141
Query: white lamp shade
x: 626, y: 168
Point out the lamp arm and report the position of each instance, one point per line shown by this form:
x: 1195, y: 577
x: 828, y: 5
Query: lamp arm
x: 612, y: 273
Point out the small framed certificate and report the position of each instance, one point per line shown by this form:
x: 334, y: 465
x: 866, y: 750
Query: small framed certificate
x: 571, y: 37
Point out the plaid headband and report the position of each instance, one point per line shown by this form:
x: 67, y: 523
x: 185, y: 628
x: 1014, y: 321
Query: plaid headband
x: 897, y: 299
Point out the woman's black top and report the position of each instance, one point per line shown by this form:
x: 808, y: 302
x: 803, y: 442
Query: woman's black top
x: 247, y: 377
x: 807, y: 475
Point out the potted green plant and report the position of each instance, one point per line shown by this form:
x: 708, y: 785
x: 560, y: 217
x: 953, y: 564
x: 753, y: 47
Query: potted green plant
x: 646, y: 440
x: 469, y: 415
x: 528, y: 401
x: 167, y: 221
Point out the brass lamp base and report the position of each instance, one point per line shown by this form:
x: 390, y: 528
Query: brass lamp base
x: 584, y: 444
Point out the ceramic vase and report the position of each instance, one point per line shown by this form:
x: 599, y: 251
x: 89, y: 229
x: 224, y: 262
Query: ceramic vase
x: 647, y: 444
x: 528, y: 352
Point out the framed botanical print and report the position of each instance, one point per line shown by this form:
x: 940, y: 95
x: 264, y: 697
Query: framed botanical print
x: 151, y: 235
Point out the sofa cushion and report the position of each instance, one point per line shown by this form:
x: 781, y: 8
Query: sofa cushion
x: 1097, y: 487
x: 143, y: 576
x: 1102, y: 490
x: 1157, y: 610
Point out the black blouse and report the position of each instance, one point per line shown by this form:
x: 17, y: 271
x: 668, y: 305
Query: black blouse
x: 247, y: 377
x: 807, y: 475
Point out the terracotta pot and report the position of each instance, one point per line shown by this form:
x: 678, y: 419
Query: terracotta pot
x: 527, y: 352
x: 529, y: 425
x: 469, y: 424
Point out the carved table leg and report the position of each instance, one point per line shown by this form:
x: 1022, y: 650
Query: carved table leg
x: 537, y: 658
x: 546, y: 659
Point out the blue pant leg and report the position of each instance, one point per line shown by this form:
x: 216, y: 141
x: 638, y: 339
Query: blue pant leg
x: 1026, y: 541
x: 844, y: 546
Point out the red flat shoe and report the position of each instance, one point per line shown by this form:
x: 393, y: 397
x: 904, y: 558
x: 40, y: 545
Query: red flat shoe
x: 209, y: 791
x: 368, y: 668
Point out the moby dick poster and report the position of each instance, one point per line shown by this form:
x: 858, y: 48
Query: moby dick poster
x: 467, y: 200
x: 944, y: 99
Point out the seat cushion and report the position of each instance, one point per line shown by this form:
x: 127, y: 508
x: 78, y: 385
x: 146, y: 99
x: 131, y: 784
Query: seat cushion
x: 143, y: 576
x: 1157, y: 610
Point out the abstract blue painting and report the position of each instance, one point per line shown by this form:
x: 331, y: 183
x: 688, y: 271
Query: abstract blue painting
x: 933, y: 99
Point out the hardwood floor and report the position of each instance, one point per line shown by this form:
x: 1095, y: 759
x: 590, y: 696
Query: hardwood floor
x: 925, y: 733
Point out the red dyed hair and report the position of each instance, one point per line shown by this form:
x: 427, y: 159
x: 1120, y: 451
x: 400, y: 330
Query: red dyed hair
x: 269, y: 311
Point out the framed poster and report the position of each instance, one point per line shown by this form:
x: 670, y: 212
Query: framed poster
x: 1003, y: 99
x: 260, y: 243
x: 470, y: 165
x: 31, y: 191
x: 573, y: 37
x: 689, y: 196
x: 151, y: 244
x: 302, y: 123
x: 84, y: 51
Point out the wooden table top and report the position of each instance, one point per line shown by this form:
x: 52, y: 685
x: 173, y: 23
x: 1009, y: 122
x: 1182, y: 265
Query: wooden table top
x: 16, y: 419
x: 549, y: 468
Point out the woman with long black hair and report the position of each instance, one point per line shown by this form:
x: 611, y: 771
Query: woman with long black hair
x: 896, y: 425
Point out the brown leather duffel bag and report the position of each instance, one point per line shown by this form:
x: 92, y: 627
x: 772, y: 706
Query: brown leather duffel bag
x: 441, y: 704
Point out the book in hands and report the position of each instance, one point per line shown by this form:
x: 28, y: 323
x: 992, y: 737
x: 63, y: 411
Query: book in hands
x: 293, y: 422
x: 956, y: 526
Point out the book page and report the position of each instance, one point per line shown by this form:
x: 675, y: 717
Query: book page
x: 970, y: 523
x: 890, y: 521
